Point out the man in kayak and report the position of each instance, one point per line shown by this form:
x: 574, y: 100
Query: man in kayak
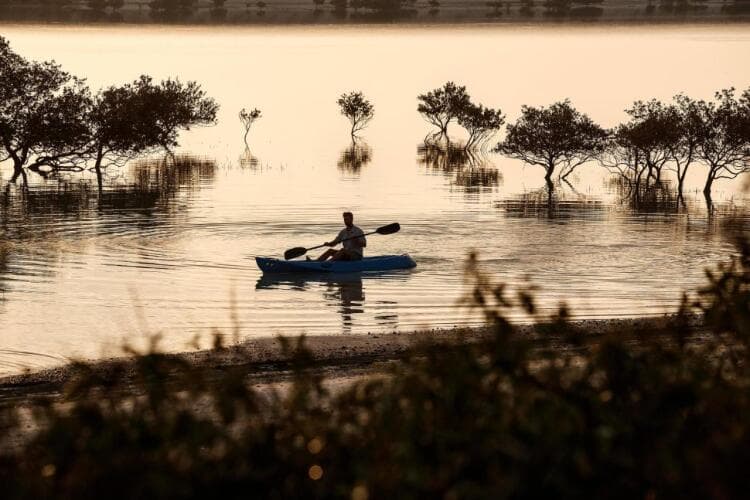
x: 352, y: 247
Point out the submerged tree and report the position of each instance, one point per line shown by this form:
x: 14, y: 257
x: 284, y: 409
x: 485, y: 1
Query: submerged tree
x: 174, y: 107
x: 622, y: 157
x: 48, y: 118
x: 556, y: 137
x: 684, y: 152
x: 480, y: 123
x: 724, y: 141
x: 142, y: 116
x: 248, y: 118
x: 654, y: 129
x: 42, y: 112
x: 358, y: 109
x: 440, y: 106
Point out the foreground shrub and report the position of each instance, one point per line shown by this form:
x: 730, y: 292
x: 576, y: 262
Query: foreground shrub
x: 646, y: 413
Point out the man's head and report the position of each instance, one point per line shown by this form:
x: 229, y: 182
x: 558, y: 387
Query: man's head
x: 348, y: 219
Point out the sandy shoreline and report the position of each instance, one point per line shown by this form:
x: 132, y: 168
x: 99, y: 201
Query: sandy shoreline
x: 262, y: 360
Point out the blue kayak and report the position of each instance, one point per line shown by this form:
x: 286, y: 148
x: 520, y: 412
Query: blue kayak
x: 379, y: 263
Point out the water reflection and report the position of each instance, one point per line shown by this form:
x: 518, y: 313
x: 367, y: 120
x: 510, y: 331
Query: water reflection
x: 4, y: 266
x: 354, y: 157
x: 659, y: 196
x: 344, y: 291
x: 553, y: 204
x: 68, y: 204
x: 248, y: 160
x: 470, y: 170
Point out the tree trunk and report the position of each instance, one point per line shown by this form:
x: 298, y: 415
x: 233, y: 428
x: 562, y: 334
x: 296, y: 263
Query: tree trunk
x: 548, y: 178
x: 709, y: 183
x: 98, y: 170
x: 550, y: 205
x: 18, y: 171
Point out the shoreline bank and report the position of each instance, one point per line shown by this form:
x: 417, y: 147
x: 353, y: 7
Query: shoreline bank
x: 262, y: 361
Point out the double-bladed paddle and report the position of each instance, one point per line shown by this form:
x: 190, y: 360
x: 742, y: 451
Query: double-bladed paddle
x: 300, y: 251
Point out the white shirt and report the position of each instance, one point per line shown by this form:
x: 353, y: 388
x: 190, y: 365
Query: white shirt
x: 350, y: 244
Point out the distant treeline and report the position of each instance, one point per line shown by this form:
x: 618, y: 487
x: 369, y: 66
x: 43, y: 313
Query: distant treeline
x: 364, y: 10
x: 658, y: 137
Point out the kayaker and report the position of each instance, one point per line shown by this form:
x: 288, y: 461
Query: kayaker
x: 353, y: 248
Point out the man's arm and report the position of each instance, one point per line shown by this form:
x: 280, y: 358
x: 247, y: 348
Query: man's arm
x: 361, y: 242
x: 334, y: 241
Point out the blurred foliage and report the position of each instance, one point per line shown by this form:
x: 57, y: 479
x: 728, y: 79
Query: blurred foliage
x: 645, y: 412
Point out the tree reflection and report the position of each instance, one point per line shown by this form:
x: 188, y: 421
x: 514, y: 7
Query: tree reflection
x: 656, y: 197
x: 556, y: 203
x: 247, y: 160
x: 40, y: 219
x: 147, y: 185
x: 470, y: 170
x: 356, y: 156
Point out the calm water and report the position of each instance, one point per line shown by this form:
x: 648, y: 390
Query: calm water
x: 169, y: 249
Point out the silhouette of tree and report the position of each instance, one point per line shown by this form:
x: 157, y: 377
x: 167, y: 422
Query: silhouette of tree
x: 479, y: 122
x: 684, y: 152
x: 656, y: 136
x: 724, y: 141
x: 42, y: 112
x: 248, y: 118
x: 655, y: 130
x: 440, y: 106
x: 134, y: 118
x: 358, y: 109
x: 48, y: 118
x: 623, y: 157
x: 555, y: 137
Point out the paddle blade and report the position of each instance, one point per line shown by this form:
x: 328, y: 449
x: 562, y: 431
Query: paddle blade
x: 295, y: 252
x: 389, y: 229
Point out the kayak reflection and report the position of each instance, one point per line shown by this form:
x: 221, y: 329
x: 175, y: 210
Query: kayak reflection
x: 345, y: 291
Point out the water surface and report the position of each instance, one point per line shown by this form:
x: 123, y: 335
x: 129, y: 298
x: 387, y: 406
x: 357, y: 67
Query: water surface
x: 169, y: 247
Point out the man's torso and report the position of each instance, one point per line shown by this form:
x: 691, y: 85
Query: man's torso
x: 351, y: 244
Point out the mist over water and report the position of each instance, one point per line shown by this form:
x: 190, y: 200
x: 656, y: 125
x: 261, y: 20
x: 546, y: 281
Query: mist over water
x: 167, y: 246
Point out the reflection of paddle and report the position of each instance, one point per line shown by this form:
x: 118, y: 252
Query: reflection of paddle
x: 300, y: 251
